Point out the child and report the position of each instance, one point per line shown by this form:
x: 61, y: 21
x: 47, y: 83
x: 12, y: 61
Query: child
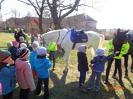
x: 42, y: 65
x: 7, y: 73
x: 9, y: 44
x: 98, y: 67
x: 33, y: 55
x: 52, y: 47
x: 24, y: 73
x: 22, y: 40
x: 23, y: 45
x: 13, y: 50
x: 82, y: 66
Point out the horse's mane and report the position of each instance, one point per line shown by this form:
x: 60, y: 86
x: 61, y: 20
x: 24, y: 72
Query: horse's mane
x: 119, y: 39
x: 55, y: 31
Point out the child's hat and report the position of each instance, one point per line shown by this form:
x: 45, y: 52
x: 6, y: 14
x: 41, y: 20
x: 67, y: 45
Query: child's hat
x: 41, y: 50
x: 23, y: 45
x: 14, y: 43
x: 4, y: 54
x: 82, y: 48
x: 100, y: 51
x: 22, y: 52
x: 21, y: 38
x: 35, y: 44
x: 9, y: 44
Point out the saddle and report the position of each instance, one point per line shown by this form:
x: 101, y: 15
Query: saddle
x: 78, y: 36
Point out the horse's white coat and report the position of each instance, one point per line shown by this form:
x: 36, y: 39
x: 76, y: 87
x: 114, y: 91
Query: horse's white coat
x: 94, y: 41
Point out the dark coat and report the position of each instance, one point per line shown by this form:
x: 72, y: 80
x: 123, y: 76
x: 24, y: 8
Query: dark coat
x: 13, y: 51
x: 82, y: 62
x: 20, y: 34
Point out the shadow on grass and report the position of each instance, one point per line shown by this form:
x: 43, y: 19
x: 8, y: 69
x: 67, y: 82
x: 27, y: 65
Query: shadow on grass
x: 110, y: 90
x: 64, y: 90
x: 129, y: 81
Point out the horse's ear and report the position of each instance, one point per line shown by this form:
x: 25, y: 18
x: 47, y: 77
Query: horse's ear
x: 127, y: 31
x: 118, y: 30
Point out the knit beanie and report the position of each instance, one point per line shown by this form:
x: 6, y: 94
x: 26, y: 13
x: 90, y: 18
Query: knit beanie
x: 82, y: 48
x: 35, y: 44
x: 9, y: 44
x: 41, y: 50
x: 14, y: 43
x: 100, y: 51
x: 22, y: 52
x: 21, y: 38
x: 4, y: 54
x: 23, y: 45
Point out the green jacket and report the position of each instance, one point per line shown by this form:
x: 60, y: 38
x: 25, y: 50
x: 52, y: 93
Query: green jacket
x: 124, y: 49
x: 110, y: 47
x: 52, y: 46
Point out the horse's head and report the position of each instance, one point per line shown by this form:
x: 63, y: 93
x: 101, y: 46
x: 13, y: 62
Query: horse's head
x: 120, y: 39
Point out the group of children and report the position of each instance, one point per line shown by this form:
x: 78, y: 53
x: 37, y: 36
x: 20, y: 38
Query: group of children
x: 19, y: 63
x: 97, y: 68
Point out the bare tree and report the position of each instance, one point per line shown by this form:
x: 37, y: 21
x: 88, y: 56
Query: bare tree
x: 39, y: 6
x: 15, y: 14
x: 60, y: 9
x: 1, y: 3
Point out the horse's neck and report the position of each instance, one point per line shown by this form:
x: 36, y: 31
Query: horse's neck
x: 58, y: 37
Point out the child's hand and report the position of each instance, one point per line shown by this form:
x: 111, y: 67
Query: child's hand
x: 110, y: 50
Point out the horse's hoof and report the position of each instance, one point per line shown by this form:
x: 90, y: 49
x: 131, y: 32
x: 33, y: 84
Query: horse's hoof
x: 126, y: 76
x: 65, y: 71
x: 131, y: 70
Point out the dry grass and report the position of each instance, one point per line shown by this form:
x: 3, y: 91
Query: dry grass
x: 65, y: 85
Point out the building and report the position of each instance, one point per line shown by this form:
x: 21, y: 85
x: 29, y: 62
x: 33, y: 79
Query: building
x: 81, y: 21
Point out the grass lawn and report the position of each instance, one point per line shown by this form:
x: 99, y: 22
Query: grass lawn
x: 65, y: 85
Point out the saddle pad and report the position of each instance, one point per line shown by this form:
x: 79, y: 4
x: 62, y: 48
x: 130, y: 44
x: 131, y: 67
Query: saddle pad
x: 78, y: 36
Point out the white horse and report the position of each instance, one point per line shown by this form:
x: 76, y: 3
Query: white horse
x: 62, y: 37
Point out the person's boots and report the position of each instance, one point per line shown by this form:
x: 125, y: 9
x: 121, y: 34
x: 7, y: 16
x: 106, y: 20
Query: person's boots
x: 121, y: 82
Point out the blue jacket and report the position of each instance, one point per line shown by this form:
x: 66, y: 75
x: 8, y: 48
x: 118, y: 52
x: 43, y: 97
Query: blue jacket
x: 99, y: 62
x: 33, y: 56
x: 42, y: 65
x: 7, y: 79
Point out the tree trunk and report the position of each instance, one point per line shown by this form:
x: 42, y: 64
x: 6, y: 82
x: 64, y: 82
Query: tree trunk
x: 40, y: 25
x: 57, y: 25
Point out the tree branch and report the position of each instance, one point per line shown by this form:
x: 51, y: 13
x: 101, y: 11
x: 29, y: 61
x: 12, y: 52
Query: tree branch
x: 37, y: 4
x: 71, y: 10
x: 36, y: 9
x: 24, y: 2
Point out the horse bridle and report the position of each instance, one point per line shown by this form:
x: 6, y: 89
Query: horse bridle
x: 57, y: 39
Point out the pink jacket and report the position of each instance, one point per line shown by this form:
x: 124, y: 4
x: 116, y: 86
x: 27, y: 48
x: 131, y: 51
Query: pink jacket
x: 24, y: 74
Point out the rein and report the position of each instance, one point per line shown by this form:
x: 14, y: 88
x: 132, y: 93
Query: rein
x: 57, y: 39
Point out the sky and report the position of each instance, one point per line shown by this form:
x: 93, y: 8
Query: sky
x: 114, y: 14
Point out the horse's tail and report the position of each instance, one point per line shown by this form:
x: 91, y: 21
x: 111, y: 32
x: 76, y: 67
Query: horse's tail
x: 102, y: 38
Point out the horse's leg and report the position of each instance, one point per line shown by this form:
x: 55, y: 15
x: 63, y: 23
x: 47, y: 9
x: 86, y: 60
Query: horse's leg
x: 132, y: 64
x: 126, y: 64
x: 67, y: 59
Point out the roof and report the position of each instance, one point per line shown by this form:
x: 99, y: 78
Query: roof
x: 83, y: 16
